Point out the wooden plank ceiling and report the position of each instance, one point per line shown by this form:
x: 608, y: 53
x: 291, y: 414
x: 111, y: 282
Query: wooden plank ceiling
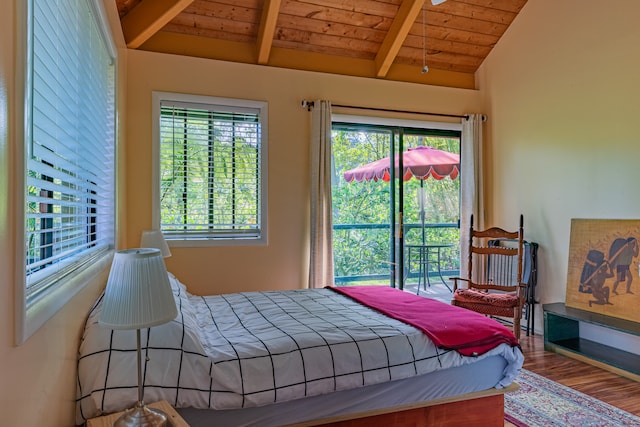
x: 389, y: 39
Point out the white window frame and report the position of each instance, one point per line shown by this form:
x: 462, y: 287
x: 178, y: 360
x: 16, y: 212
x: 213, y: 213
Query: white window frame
x: 34, y: 309
x: 206, y: 241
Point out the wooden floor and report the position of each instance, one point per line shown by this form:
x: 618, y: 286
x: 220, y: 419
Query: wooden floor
x: 603, y: 385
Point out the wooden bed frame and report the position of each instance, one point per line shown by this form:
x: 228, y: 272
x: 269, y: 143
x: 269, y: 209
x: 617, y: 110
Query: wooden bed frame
x: 483, y: 408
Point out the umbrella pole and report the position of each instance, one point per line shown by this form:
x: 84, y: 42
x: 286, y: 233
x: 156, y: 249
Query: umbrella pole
x: 423, y: 254
x: 422, y: 209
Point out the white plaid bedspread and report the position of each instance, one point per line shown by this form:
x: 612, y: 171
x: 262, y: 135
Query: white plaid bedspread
x: 257, y: 348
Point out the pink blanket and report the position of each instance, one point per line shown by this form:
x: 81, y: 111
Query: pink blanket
x: 448, y: 326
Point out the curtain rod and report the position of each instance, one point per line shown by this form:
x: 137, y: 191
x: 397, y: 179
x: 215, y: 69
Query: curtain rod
x: 309, y: 106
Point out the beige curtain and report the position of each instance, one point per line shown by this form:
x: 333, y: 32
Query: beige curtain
x: 321, y: 241
x: 471, y: 183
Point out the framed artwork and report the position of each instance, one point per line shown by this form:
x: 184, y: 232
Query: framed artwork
x: 604, y: 267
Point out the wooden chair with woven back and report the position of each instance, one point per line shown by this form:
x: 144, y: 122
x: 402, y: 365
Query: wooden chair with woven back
x: 494, y: 284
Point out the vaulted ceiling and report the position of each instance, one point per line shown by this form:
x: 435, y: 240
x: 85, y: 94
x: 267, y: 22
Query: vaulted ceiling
x: 387, y: 39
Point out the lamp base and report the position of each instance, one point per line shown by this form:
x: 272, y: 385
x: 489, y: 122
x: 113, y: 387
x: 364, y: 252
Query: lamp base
x: 143, y: 416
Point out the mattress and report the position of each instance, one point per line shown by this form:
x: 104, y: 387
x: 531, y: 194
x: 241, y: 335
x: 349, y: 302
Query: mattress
x: 448, y: 383
x: 255, y: 350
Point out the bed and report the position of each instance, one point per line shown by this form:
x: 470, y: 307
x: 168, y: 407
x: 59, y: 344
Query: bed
x: 302, y: 357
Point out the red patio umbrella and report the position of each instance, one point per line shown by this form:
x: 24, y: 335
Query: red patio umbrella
x: 420, y: 162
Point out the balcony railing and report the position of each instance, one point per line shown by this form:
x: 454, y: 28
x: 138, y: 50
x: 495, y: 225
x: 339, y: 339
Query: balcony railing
x: 361, y: 251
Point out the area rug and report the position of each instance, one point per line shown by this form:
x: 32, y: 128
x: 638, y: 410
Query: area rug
x: 541, y: 402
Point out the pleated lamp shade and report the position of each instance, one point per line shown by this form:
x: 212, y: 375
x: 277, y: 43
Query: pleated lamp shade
x: 155, y: 239
x: 138, y: 293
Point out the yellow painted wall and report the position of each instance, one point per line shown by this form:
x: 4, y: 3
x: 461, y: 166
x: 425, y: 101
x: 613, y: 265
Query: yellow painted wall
x: 282, y: 264
x: 38, y: 378
x: 562, y: 94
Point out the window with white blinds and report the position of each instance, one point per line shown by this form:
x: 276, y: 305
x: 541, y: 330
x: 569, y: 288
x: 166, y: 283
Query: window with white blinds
x: 69, y: 143
x: 212, y: 169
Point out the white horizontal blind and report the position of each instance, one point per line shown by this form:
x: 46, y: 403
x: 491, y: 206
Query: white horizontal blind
x: 70, y: 143
x: 210, y: 171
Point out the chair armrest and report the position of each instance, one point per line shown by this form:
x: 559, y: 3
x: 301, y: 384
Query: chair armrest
x: 522, y: 289
x: 455, y: 282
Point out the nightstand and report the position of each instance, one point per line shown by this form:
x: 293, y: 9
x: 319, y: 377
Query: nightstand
x: 163, y: 405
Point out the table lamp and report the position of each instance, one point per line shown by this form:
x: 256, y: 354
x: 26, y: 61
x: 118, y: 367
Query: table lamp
x: 138, y: 295
x: 155, y: 239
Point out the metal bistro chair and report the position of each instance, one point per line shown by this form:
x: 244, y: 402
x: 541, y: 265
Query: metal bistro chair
x: 494, y: 285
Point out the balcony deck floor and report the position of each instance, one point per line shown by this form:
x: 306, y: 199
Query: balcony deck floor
x: 437, y: 290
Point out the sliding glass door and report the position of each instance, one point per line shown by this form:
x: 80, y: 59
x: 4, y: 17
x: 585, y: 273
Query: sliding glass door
x: 429, y: 206
x: 380, y: 221
x: 362, y: 209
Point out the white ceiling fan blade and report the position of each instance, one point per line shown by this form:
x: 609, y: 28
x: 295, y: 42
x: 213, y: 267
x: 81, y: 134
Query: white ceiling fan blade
x: 437, y: 2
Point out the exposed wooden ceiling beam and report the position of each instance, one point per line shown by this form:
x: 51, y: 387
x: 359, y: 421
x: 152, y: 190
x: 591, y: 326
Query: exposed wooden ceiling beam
x: 381, y: 36
x: 244, y: 52
x: 400, y: 27
x: 148, y: 17
x: 267, y: 28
